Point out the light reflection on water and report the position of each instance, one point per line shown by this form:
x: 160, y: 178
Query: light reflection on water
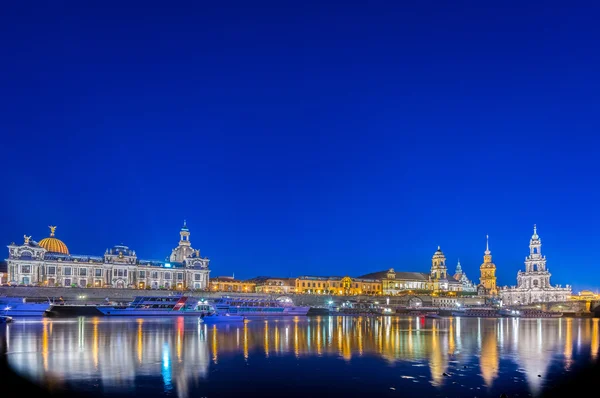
x: 111, y: 355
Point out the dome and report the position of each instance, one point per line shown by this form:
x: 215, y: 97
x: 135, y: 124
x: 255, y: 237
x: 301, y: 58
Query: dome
x: 52, y: 244
x: 438, y: 253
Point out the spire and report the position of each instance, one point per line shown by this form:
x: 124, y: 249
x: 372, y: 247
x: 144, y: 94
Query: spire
x: 487, y: 244
x: 458, y: 267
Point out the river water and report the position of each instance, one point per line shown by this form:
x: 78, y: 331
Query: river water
x: 318, y: 356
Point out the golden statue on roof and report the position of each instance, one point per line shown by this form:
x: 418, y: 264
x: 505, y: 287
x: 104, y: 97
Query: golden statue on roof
x: 26, y: 239
x: 52, y: 229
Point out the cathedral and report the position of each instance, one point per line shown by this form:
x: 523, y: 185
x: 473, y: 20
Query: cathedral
x: 461, y: 276
x: 49, y: 263
x: 533, y: 285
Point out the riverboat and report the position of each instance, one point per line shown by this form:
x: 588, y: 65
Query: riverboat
x: 536, y: 313
x: 20, y: 306
x: 476, y: 312
x: 160, y: 306
x: 281, y: 306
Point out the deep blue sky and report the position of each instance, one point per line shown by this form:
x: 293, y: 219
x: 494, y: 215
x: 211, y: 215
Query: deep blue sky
x: 306, y: 137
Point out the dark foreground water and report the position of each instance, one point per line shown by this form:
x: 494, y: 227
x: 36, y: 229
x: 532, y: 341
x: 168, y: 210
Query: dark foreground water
x: 314, y: 356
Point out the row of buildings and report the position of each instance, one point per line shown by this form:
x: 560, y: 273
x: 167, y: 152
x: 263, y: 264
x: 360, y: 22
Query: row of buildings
x: 49, y: 263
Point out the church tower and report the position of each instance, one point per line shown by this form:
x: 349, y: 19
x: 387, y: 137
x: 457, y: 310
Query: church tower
x: 439, y: 272
x: 488, y: 272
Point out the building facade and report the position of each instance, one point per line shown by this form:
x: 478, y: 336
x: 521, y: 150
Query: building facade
x: 393, y: 282
x: 337, y: 285
x: 487, y: 279
x: 230, y: 284
x: 49, y: 263
x: 268, y: 285
x: 436, y: 281
x: 533, y: 285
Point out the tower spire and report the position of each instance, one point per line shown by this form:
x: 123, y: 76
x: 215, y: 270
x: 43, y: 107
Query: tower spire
x: 487, y: 244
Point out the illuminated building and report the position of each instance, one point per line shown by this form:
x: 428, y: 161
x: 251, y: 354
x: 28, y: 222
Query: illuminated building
x: 459, y: 275
x: 49, y: 263
x: 586, y: 295
x: 393, y: 282
x: 337, y: 285
x: 265, y: 284
x: 533, y: 285
x: 487, y: 280
x: 435, y: 281
x: 230, y: 284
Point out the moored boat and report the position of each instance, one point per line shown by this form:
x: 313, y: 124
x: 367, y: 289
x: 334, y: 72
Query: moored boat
x: 20, y: 306
x: 160, y: 306
x: 536, y: 313
x: 280, y: 306
x: 476, y: 312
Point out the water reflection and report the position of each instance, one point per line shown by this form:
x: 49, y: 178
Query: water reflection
x: 180, y: 352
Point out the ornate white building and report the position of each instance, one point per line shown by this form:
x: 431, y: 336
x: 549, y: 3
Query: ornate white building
x: 460, y: 276
x: 49, y: 263
x: 533, y: 285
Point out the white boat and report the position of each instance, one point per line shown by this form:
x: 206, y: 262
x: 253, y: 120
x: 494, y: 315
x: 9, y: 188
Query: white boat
x: 476, y: 312
x: 160, y: 306
x: 20, y: 306
x: 281, y: 306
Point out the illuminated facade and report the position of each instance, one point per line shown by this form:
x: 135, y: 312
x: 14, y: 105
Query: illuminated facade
x: 533, y: 285
x: 230, y: 284
x: 393, y: 282
x: 487, y: 280
x: 49, y: 263
x: 269, y: 285
x: 436, y: 281
x: 337, y: 285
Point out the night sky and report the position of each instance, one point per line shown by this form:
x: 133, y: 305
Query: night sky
x: 306, y: 138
